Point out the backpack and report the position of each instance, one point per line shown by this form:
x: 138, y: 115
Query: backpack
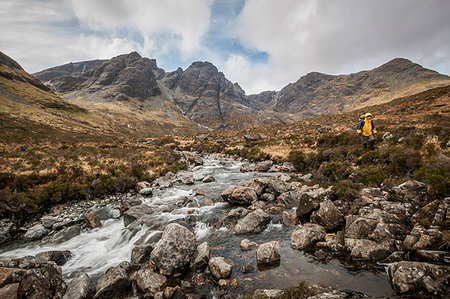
x: 360, y: 123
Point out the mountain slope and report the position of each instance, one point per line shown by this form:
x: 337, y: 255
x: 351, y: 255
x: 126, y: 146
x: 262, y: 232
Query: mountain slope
x: 318, y: 94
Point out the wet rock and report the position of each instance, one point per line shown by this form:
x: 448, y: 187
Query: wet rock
x: 151, y: 237
x: 247, y: 268
x: 66, y: 234
x: 131, y: 202
x: 304, y: 236
x: 328, y: 216
x: 36, y: 232
x: 270, y: 294
x: 407, y: 277
x: 290, y: 218
x: 220, y: 267
x: 185, y: 178
x: 254, y: 222
x: 94, y: 216
x: 234, y: 215
x: 413, y: 191
x: 239, y: 195
x: 137, y: 212
x: 146, y: 191
x: 332, y: 242
x: 209, y: 179
x: 268, y: 254
x: 264, y: 166
x: 142, y: 185
x: 57, y: 256
x: 149, y: 282
x: 114, y: 283
x: 175, y: 249
x: 247, y: 245
x: 363, y: 249
x: 81, y: 287
x: 28, y: 278
x: 307, y: 203
x: 48, y: 221
x: 5, y: 230
x: 201, y: 258
x: 141, y: 253
x: 192, y: 157
x: 163, y: 182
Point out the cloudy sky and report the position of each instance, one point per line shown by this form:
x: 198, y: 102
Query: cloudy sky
x: 261, y: 44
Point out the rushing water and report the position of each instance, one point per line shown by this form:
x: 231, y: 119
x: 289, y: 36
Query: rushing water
x: 94, y: 251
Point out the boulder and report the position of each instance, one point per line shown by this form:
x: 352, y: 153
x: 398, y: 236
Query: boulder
x: 48, y: 221
x: 146, y: 191
x: 290, y: 218
x: 175, y: 249
x: 412, y: 191
x: 185, y: 178
x: 276, y: 185
x: 142, y: 185
x: 269, y: 294
x: 409, y: 277
x: 114, y: 283
x: 328, y: 216
x: 306, y: 204
x: 36, y: 232
x: 359, y: 227
x: 290, y: 199
x: 5, y: 230
x: 94, y: 216
x: 258, y: 185
x: 66, y: 234
x: 264, y: 166
x: 240, y: 195
x: 149, y: 282
x: 421, y: 238
x: 268, y: 254
x: 59, y: 257
x: 247, y: 245
x: 81, y: 287
x: 141, y: 253
x: 201, y: 258
x: 254, y: 222
x: 304, y: 236
x: 137, y: 212
x: 28, y: 278
x: 268, y: 197
x: 209, y: 179
x: 192, y: 157
x: 220, y: 267
x: 363, y: 249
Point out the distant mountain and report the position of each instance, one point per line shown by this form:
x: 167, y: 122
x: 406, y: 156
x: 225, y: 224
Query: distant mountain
x: 203, y: 95
x: 67, y: 69
x: 319, y: 94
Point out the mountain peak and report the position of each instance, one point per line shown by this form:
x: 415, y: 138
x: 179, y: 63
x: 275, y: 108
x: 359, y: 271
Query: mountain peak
x: 8, y: 61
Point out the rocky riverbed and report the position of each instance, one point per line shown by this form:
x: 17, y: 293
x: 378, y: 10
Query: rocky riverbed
x: 229, y: 228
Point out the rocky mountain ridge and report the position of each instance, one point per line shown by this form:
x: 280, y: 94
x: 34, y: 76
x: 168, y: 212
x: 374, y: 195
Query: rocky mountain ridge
x: 204, y: 95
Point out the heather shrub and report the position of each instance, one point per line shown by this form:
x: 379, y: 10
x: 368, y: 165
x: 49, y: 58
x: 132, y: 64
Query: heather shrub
x: 372, y: 175
x: 336, y: 171
x: 297, y: 158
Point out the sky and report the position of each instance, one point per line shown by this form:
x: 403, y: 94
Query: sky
x: 261, y: 44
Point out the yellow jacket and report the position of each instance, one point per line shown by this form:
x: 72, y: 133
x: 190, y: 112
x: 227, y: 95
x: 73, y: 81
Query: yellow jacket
x: 368, y: 128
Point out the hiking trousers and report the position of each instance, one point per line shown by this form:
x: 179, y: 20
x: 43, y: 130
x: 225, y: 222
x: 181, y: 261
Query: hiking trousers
x: 368, y: 140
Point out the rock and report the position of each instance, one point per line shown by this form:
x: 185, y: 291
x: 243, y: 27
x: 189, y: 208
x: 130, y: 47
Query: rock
x: 163, y: 182
x: 220, y: 267
x: 9, y: 291
x: 94, y: 216
x: 247, y: 245
x: 269, y: 294
x: 276, y: 185
x: 387, y: 231
x: 141, y: 254
x: 268, y: 197
x: 208, y: 203
x: 247, y: 268
x: 258, y: 185
x: 36, y: 232
x: 192, y: 157
x: 240, y: 195
x: 81, y: 287
x: 268, y: 254
x: 201, y: 258
x: 59, y: 257
x: 149, y: 282
x: 421, y: 238
x: 387, y: 136
x: 333, y: 242
x: 290, y: 199
x: 223, y: 283
x: 250, y: 138
x: 264, y: 166
x: 412, y: 191
x: 28, y: 278
x: 304, y: 236
x: 328, y: 216
x: 114, y: 283
x: 185, y: 178
x: 433, y: 256
x: 48, y: 221
x: 290, y: 218
x: 65, y: 234
x: 209, y: 179
x: 142, y: 185
x: 146, y: 191
x: 5, y: 230
x: 198, y: 176
x: 151, y: 237
x: 253, y: 222
x: 363, y: 249
x: 137, y: 212
x: 408, y: 277
x: 334, y: 294
x: 175, y: 249
x: 359, y: 227
x: 307, y: 203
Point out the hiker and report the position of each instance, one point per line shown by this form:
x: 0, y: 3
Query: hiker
x: 366, y: 129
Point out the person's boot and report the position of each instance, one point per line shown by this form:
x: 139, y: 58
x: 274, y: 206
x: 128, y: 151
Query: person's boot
x: 372, y: 144
x: 365, y: 145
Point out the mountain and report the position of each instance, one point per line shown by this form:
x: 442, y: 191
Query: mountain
x: 201, y: 95
x: 67, y: 69
x: 319, y: 94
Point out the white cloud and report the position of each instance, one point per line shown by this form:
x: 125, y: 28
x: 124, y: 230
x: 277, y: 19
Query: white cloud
x: 343, y: 36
